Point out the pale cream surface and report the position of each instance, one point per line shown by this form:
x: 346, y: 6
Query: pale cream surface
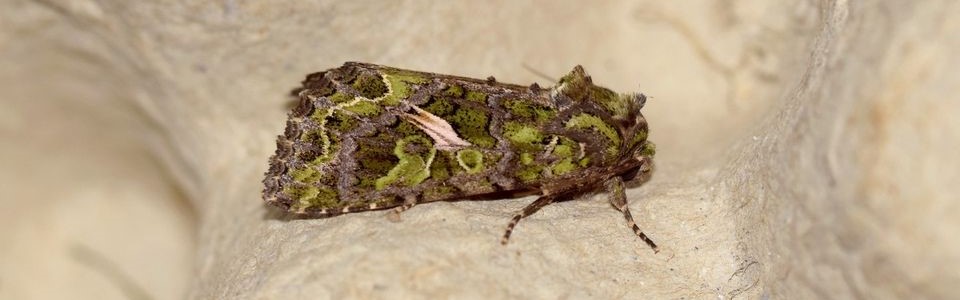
x: 806, y: 149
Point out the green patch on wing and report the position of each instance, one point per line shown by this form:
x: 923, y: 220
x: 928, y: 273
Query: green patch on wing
x: 340, y: 97
x: 454, y: 91
x: 364, y: 108
x: 529, y: 173
x: 401, y: 85
x: 566, y: 150
x: 415, y: 154
x: 530, y: 110
x: 311, y: 196
x: 565, y: 147
x: 306, y: 175
x: 528, y: 141
x: 476, y: 96
x: 471, y: 124
x: 523, y: 136
x: 471, y: 160
x: 584, y: 121
x: 340, y: 121
x: 564, y: 166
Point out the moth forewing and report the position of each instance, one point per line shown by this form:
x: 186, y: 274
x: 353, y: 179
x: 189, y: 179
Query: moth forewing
x: 367, y: 137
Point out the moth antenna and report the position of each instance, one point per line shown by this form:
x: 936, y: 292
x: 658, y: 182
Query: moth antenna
x: 539, y: 74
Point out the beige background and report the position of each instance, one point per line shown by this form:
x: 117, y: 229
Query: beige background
x: 807, y: 149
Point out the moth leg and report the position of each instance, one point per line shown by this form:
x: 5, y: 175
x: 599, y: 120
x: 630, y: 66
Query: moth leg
x: 408, y: 202
x: 618, y: 198
x: 526, y: 211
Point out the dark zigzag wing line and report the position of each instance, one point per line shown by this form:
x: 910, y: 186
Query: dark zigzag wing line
x: 514, y: 131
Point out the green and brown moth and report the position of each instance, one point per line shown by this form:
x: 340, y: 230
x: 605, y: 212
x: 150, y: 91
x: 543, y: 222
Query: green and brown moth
x: 368, y: 137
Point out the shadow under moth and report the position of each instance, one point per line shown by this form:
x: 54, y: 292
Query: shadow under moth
x: 368, y: 137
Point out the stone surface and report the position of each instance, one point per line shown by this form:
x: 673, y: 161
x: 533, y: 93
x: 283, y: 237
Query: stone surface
x: 805, y: 150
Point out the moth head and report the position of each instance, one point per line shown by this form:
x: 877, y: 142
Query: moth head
x: 578, y: 86
x: 623, y: 110
x: 643, y: 149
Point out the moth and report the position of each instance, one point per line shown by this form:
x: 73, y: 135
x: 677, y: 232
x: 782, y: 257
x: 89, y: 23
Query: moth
x: 368, y: 137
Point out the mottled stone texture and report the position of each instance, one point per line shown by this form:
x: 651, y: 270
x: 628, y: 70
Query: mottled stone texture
x: 805, y: 150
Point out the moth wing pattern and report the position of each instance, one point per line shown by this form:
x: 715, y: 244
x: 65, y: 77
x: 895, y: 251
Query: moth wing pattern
x: 366, y: 137
x: 358, y: 140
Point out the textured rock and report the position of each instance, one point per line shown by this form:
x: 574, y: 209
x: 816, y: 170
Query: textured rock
x: 805, y: 150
